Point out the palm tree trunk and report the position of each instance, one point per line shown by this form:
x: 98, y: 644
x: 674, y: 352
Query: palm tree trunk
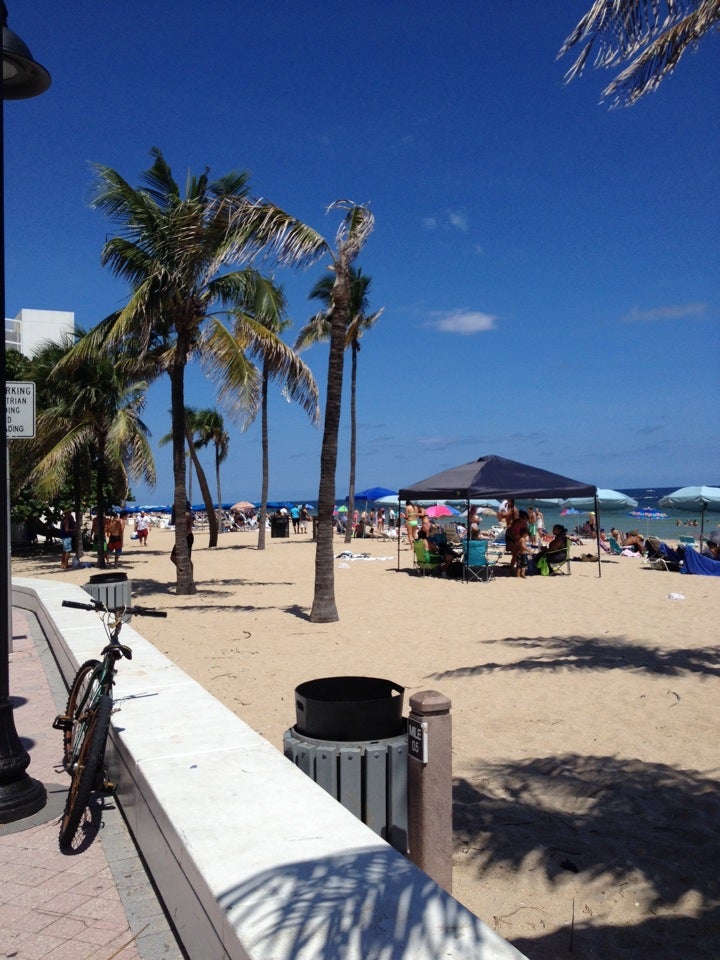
x: 204, y: 488
x: 265, y: 458
x: 100, y: 501
x: 217, y: 476
x: 324, y: 609
x: 353, y: 440
x: 185, y: 584
x: 77, y: 497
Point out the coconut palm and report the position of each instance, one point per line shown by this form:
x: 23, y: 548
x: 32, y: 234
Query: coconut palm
x: 350, y: 239
x: 210, y: 428
x: 97, y: 409
x: 193, y: 436
x: 260, y: 336
x: 175, y: 252
x: 639, y: 33
x: 317, y: 329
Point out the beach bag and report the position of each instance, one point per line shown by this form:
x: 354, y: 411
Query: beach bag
x: 543, y: 566
x: 67, y: 545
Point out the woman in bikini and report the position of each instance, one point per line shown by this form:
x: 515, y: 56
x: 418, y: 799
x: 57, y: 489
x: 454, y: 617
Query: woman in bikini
x: 411, y: 521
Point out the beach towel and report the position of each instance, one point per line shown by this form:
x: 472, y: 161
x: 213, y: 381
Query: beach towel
x: 696, y: 563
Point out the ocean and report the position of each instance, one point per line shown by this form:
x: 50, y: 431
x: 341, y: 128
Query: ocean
x: 678, y: 523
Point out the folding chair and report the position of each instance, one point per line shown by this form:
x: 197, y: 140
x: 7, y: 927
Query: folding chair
x: 476, y: 562
x: 426, y: 562
x: 555, y: 560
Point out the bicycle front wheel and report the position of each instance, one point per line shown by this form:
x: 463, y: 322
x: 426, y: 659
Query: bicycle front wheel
x: 83, y: 694
x: 85, y: 771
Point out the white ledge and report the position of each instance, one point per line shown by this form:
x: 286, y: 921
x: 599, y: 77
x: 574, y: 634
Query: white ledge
x: 253, y: 860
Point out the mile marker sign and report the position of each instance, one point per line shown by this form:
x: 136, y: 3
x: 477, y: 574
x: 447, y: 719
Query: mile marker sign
x: 20, y: 409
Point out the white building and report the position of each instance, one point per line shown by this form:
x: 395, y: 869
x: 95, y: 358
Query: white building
x: 31, y: 328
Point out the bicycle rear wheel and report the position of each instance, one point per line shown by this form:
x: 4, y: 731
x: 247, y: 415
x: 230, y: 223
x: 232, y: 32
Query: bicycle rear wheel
x: 82, y: 697
x: 85, y: 771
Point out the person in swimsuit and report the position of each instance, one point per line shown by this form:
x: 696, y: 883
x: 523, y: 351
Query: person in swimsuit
x: 115, y: 531
x: 411, y: 521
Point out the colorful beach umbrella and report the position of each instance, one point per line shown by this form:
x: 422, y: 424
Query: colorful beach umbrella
x: 441, y: 510
x: 647, y: 514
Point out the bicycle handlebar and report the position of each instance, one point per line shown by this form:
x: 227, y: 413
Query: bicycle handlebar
x: 100, y: 607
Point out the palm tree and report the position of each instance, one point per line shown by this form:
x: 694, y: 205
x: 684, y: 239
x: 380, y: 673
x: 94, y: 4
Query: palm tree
x: 259, y: 335
x: 97, y: 409
x: 318, y: 329
x: 175, y: 252
x: 193, y: 435
x: 210, y: 428
x: 350, y: 239
x: 635, y: 32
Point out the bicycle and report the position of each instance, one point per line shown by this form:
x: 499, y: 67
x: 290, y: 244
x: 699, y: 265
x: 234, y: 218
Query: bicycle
x: 86, y: 721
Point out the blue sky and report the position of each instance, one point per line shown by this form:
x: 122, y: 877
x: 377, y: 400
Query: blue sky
x: 548, y: 268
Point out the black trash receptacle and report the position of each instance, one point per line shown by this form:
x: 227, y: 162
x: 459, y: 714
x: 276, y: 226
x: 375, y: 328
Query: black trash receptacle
x: 349, y: 708
x: 280, y: 526
x: 314, y: 527
x: 351, y: 739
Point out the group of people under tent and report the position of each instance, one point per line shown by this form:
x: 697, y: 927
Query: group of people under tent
x: 524, y: 531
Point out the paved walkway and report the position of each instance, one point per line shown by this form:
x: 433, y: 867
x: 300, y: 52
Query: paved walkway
x: 94, y: 903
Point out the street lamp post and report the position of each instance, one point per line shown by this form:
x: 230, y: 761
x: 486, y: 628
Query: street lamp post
x: 20, y: 794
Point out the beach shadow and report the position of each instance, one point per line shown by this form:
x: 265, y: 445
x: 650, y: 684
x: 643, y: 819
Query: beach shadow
x: 620, y: 820
x: 347, y: 905
x: 297, y: 611
x: 596, y: 653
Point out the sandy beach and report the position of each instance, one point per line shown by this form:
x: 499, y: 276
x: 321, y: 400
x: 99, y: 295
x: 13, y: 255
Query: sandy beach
x: 585, y: 748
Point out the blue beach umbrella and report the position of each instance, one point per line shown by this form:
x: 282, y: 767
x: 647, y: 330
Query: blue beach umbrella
x: 372, y: 494
x: 692, y: 499
x: 606, y: 500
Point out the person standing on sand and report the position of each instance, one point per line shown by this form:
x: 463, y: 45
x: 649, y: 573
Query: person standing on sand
x: 115, y: 533
x: 68, y: 529
x: 411, y: 521
x: 142, y: 527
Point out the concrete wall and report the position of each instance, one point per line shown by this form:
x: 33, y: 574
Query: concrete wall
x: 253, y: 860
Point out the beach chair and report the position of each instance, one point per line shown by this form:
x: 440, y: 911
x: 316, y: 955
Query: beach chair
x: 477, y: 564
x: 424, y: 561
x: 615, y: 547
x: 551, y: 565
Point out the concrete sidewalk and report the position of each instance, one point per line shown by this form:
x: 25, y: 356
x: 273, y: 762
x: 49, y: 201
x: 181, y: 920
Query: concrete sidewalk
x: 95, y: 902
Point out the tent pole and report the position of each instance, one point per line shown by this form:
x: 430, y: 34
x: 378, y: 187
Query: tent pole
x: 397, y: 527
x: 597, y: 533
x: 467, y: 539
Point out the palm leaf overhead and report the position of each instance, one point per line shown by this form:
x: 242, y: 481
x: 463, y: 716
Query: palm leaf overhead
x: 650, y: 34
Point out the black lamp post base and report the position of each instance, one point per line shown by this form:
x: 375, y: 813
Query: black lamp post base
x: 20, y: 795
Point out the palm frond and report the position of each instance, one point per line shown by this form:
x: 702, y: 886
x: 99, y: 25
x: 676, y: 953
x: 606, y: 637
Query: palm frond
x: 651, y: 34
x: 316, y: 330
x: 260, y: 229
x: 227, y: 364
x: 660, y: 58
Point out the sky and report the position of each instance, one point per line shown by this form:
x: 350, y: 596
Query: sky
x: 547, y: 267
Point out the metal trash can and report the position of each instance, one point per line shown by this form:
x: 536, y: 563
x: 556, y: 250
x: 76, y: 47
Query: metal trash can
x: 350, y: 738
x: 114, y: 590
x: 369, y: 778
x: 279, y: 526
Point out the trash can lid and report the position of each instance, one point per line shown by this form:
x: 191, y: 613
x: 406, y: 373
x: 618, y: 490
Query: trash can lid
x: 108, y: 578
